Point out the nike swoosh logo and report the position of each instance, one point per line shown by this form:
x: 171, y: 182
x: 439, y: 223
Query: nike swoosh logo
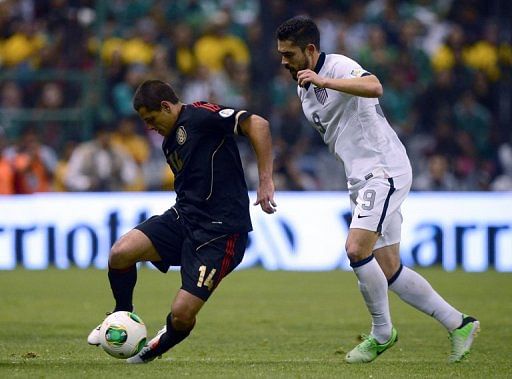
x: 359, y: 216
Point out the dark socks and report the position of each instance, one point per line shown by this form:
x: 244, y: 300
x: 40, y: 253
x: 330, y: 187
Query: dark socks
x: 122, y: 283
x: 167, y: 340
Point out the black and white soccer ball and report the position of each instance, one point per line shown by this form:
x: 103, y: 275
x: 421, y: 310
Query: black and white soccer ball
x: 122, y: 334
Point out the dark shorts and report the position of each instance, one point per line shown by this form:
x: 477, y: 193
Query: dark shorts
x: 204, y: 260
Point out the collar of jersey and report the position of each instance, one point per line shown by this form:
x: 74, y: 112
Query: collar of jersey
x: 175, y: 124
x: 318, y: 67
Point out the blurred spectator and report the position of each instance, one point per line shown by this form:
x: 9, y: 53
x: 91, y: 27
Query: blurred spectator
x: 466, y: 162
x: 99, y: 165
x: 22, y: 47
x: 398, y: 100
x: 6, y: 168
x: 294, y: 139
x: 413, y: 58
x: 355, y: 27
x: 202, y: 85
x: 288, y: 176
x: 437, y: 178
x: 34, y: 164
x: 446, y: 67
x: 234, y: 85
x: 182, y: 55
x: 444, y: 139
x: 483, y: 54
x: 157, y: 174
x: 437, y: 100
x: 122, y: 92
x: 503, y: 182
x: 11, y: 96
x: 51, y: 98
x: 61, y: 170
x: 193, y: 12
x: 475, y: 119
x: 329, y: 23
x: 159, y: 67
x: 112, y: 46
x: 377, y: 56
x: 127, y: 12
x: 452, y: 53
x: 212, y: 48
x: 140, y: 49
x: 125, y: 137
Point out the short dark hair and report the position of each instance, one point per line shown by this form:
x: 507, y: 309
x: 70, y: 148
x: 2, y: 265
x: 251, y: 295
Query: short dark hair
x: 151, y: 93
x: 301, y: 30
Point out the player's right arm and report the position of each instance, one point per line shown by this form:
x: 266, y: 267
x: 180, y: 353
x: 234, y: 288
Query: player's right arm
x: 257, y: 130
x: 364, y: 86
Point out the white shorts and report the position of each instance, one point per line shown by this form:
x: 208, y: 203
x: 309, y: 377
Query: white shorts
x: 376, y: 206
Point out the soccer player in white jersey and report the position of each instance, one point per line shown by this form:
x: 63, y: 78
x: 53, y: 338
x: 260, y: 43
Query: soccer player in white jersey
x: 340, y: 100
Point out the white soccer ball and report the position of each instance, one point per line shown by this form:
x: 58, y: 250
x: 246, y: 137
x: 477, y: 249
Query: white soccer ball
x: 122, y: 334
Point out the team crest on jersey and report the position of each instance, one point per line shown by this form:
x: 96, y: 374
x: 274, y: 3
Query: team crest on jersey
x: 226, y: 112
x: 181, y: 135
x: 321, y: 95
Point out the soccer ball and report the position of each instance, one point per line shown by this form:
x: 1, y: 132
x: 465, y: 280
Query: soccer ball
x: 122, y: 334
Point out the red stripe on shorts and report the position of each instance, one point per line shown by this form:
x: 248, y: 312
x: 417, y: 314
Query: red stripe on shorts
x: 228, y: 257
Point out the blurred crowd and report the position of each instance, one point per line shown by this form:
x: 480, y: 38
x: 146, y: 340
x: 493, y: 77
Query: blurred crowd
x: 69, y: 68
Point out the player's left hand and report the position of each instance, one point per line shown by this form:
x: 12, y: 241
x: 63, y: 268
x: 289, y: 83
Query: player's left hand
x: 266, y: 197
x: 309, y: 76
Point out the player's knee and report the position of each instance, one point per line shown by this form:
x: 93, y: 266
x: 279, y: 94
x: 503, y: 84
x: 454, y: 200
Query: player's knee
x: 355, y: 251
x: 183, y: 319
x: 119, y: 255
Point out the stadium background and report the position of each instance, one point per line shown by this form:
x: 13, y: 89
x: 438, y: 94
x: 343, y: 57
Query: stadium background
x: 68, y: 70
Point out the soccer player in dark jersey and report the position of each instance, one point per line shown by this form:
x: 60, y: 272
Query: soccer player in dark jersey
x: 206, y: 231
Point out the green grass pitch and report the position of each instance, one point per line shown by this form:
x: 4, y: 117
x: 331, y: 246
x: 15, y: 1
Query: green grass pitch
x: 259, y: 324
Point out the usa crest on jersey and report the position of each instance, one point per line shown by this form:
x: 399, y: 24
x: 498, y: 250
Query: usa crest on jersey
x: 321, y: 95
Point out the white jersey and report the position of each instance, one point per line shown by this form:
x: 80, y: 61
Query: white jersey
x: 354, y: 128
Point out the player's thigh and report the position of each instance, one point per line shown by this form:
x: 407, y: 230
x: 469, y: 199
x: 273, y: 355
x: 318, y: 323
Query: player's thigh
x: 131, y: 248
x: 166, y: 235
x: 205, y: 265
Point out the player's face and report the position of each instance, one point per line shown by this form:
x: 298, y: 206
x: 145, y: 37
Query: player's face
x: 292, y: 57
x: 161, y: 121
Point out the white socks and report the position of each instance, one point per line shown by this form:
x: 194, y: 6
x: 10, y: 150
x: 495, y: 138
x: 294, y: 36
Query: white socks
x: 374, y: 288
x: 412, y: 288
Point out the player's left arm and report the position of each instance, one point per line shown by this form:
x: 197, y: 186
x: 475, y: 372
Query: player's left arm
x: 367, y: 85
x: 257, y: 130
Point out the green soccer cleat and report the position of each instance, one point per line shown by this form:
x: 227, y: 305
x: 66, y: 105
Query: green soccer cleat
x: 370, y: 349
x: 462, y: 338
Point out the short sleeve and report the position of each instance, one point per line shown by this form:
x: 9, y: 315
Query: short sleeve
x: 230, y: 119
x: 348, y: 68
x: 224, y: 119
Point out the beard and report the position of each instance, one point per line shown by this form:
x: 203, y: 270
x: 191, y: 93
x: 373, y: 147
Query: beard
x: 293, y: 73
x: 294, y: 70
